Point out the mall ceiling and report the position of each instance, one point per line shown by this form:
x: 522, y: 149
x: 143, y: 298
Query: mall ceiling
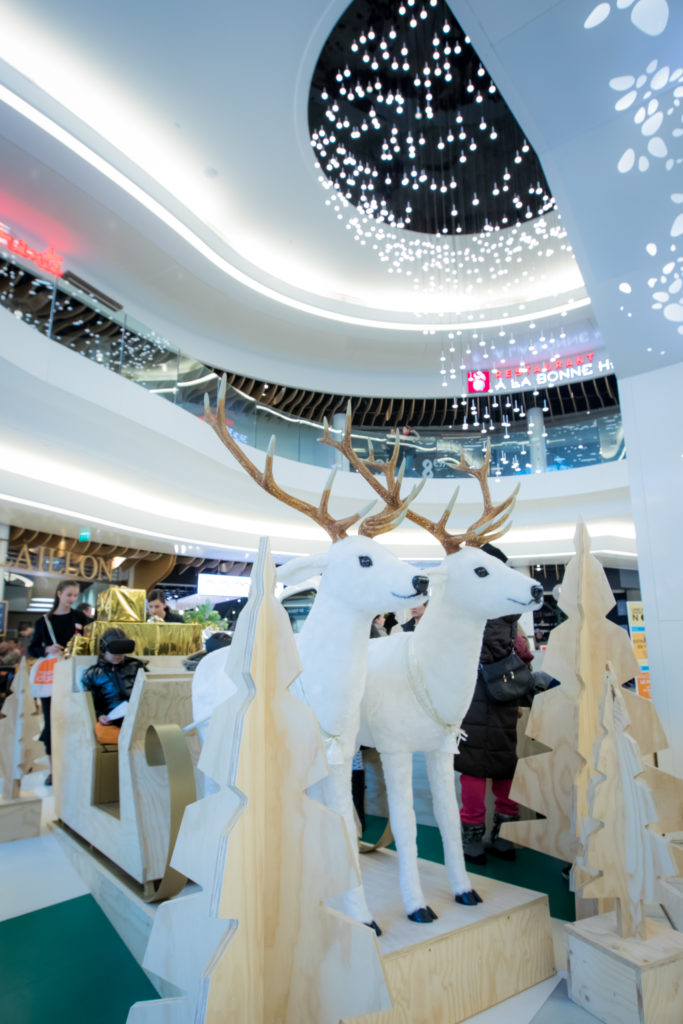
x: 168, y: 160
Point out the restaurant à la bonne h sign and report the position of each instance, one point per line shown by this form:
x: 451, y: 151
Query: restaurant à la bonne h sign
x: 542, y: 373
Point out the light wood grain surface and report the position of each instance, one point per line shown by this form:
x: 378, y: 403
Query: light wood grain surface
x: 258, y: 943
x: 135, y: 834
x: 469, y: 959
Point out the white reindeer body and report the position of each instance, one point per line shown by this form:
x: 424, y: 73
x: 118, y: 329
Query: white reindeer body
x: 333, y: 642
x: 418, y: 689
x: 360, y: 578
x: 419, y: 685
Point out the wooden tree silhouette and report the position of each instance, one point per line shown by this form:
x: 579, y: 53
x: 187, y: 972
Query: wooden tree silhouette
x: 20, y: 723
x: 257, y: 944
x: 568, y: 718
x: 621, y: 853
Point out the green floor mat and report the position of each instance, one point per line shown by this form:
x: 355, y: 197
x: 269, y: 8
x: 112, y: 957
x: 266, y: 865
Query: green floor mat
x: 531, y: 870
x: 65, y: 964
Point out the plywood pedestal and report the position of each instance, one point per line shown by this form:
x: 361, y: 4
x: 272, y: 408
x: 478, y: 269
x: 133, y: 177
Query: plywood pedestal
x: 469, y: 959
x: 20, y: 817
x: 626, y: 981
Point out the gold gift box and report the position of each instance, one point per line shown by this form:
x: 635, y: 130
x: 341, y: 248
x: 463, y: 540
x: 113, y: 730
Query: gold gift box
x: 121, y: 604
x: 77, y: 646
x: 151, y: 637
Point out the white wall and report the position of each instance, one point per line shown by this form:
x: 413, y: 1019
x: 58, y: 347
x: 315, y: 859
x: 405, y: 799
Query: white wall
x: 651, y: 408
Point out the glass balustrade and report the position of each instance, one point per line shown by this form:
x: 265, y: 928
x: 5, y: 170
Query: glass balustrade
x: 118, y: 342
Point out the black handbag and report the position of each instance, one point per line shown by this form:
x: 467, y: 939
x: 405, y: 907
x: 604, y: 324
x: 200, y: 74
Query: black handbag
x: 508, y: 679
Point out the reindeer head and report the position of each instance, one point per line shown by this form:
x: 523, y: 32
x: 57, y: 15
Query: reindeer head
x: 357, y: 571
x: 475, y: 579
x: 361, y: 574
x: 484, y: 585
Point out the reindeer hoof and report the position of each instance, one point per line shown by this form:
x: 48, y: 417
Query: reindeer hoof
x: 468, y: 899
x: 423, y: 915
x: 375, y: 927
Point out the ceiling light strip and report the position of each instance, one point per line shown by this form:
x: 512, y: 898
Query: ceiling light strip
x: 65, y: 138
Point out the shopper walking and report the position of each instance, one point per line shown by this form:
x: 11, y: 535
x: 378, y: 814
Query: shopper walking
x: 51, y: 634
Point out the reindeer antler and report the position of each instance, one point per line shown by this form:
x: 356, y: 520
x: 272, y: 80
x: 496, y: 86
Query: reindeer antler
x: 491, y: 525
x: 494, y: 520
x: 336, y: 528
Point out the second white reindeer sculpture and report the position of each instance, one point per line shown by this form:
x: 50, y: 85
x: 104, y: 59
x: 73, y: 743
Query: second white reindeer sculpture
x: 360, y: 578
x: 419, y: 685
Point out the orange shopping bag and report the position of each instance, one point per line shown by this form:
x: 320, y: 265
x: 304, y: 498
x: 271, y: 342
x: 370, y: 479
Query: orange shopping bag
x: 41, y: 677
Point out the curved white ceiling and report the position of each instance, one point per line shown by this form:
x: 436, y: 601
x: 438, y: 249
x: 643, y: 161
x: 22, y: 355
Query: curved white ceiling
x: 167, y: 156
x: 191, y: 132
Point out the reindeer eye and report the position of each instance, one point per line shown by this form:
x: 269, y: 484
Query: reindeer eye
x: 481, y: 571
x: 365, y: 560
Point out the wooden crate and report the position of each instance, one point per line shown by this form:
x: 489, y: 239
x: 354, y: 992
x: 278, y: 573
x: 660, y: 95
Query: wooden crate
x: 469, y: 959
x: 626, y: 981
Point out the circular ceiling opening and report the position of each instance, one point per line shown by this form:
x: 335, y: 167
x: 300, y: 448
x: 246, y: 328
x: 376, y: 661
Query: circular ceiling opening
x: 409, y: 127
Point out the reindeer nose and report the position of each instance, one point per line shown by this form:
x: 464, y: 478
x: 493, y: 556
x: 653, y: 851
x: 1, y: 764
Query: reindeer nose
x: 421, y: 584
x: 537, y: 593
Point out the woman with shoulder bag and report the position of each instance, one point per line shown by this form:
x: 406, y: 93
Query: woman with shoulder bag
x: 489, y: 752
x: 51, y: 634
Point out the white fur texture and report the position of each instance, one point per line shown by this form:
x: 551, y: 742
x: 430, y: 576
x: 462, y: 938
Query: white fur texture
x: 418, y: 688
x: 333, y: 646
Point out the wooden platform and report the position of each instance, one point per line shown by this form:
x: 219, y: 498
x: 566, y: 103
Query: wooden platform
x: 20, y: 817
x: 469, y: 959
x: 626, y: 981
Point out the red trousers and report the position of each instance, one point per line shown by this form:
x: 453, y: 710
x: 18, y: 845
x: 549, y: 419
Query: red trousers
x: 473, y: 810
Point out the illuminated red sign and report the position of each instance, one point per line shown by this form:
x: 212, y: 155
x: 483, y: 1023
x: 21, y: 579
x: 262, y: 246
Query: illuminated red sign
x: 544, y: 373
x: 527, y: 369
x: 478, y: 381
x: 48, y: 260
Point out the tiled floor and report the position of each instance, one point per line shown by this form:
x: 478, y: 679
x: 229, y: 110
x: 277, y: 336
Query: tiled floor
x: 36, y: 873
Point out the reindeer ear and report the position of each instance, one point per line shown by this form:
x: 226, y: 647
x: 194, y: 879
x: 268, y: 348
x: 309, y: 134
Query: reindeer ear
x: 298, y: 569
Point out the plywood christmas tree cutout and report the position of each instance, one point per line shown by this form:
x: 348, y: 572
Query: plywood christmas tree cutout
x: 622, y: 854
x: 20, y: 723
x: 258, y: 945
x: 567, y: 718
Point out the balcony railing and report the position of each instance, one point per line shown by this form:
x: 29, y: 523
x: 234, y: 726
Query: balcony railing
x: 120, y: 343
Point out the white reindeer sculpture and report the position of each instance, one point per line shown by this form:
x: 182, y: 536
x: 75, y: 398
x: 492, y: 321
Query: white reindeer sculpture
x: 419, y: 685
x: 360, y: 579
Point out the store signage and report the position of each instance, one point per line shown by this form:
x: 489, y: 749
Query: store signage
x: 478, y: 381
x: 543, y: 373
x: 48, y: 260
x: 636, y: 627
x: 43, y: 562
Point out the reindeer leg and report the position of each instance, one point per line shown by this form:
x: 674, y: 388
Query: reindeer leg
x: 442, y: 783
x: 398, y: 775
x: 336, y: 792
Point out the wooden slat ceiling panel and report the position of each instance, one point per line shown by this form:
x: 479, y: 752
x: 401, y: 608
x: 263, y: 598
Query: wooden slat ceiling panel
x: 75, y: 323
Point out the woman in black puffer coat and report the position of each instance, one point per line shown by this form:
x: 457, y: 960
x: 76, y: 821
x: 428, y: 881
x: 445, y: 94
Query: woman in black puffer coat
x: 489, y: 752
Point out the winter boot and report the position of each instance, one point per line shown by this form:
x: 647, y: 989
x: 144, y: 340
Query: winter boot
x: 472, y: 845
x: 502, y: 848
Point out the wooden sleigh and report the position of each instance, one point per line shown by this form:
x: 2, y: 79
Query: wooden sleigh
x: 127, y: 799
